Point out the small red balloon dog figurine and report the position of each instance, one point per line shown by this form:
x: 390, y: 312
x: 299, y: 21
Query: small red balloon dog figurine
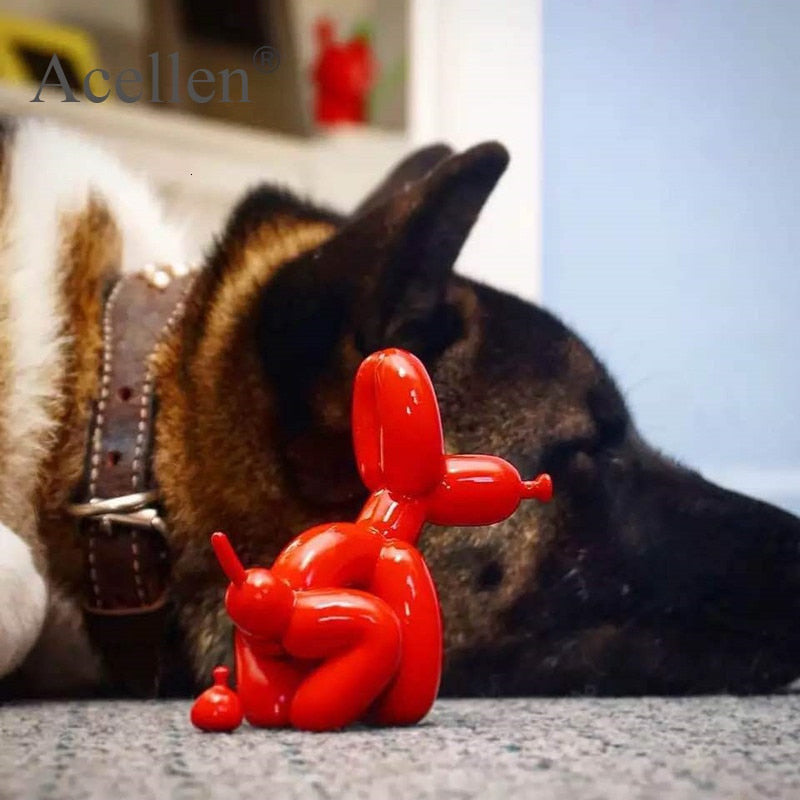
x: 346, y: 624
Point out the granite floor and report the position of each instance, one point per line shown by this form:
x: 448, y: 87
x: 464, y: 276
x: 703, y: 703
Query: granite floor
x: 582, y: 749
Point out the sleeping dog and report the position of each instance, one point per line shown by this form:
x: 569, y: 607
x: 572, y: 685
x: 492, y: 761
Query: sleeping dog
x: 142, y: 407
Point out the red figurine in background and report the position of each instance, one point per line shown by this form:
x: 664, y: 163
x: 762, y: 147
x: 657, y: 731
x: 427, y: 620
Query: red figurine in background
x: 343, y: 74
x: 346, y: 623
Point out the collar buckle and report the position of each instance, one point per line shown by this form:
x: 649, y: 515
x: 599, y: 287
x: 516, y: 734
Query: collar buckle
x: 134, y: 510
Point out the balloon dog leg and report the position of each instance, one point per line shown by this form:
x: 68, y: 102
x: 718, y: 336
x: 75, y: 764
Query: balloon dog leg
x: 357, y: 637
x: 266, y: 682
x: 402, y: 579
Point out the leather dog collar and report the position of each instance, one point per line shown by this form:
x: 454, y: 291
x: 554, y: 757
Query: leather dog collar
x: 122, y: 535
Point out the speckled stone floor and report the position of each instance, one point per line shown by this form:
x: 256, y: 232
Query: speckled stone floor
x: 581, y: 749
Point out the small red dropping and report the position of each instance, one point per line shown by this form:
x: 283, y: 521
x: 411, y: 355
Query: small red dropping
x: 218, y: 708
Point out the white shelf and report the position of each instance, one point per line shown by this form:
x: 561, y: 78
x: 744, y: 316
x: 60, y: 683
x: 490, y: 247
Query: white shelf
x: 203, y: 166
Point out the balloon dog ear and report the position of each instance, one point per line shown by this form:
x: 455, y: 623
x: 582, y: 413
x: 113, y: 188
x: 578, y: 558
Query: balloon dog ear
x: 397, y: 431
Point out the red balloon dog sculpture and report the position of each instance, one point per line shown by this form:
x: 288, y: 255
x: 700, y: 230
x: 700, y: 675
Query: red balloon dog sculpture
x: 346, y: 624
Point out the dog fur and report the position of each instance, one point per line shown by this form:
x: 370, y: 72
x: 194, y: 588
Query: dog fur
x: 639, y: 577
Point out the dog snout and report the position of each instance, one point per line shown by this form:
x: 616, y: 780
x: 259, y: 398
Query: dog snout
x: 720, y: 572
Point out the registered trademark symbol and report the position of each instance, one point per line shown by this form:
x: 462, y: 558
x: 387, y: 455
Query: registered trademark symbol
x: 266, y: 58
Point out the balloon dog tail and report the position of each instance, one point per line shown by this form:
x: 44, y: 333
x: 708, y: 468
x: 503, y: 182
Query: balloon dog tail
x: 227, y: 558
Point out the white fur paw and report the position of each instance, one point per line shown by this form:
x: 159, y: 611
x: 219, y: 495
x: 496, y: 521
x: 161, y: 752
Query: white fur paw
x: 23, y: 600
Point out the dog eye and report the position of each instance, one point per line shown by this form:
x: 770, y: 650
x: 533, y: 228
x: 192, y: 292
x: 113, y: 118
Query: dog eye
x: 560, y: 455
x: 609, y: 416
x: 611, y: 432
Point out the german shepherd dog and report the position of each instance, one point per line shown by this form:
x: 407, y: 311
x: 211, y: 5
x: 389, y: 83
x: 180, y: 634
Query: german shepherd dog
x: 640, y: 576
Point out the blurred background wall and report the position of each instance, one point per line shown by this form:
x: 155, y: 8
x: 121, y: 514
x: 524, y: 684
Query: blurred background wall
x: 475, y: 74
x: 671, y: 222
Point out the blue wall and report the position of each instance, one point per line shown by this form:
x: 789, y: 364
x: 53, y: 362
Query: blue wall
x: 672, y: 220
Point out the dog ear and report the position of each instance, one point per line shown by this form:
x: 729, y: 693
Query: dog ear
x: 383, y: 275
x: 380, y: 280
x: 408, y: 244
x: 409, y: 170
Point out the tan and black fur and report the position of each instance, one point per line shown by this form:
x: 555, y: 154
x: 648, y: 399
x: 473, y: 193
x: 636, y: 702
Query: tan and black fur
x: 639, y: 577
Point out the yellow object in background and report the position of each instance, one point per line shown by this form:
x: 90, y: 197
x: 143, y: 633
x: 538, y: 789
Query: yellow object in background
x: 27, y: 45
